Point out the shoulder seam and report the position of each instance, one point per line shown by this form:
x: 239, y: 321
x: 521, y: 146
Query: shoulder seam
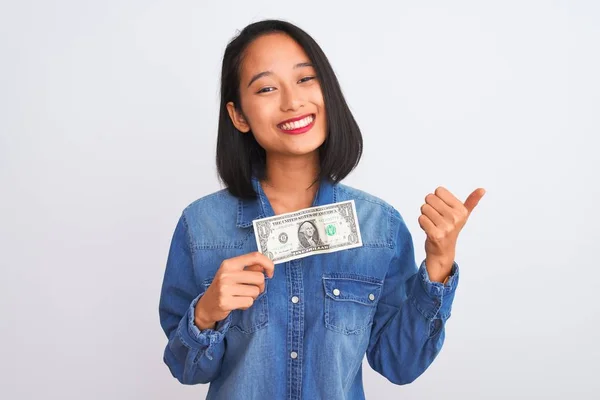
x: 206, y: 197
x: 361, y: 196
x: 188, y: 238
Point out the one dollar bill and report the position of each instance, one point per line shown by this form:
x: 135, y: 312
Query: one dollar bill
x: 314, y: 230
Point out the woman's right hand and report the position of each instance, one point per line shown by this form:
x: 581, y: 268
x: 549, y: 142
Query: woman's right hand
x: 237, y: 283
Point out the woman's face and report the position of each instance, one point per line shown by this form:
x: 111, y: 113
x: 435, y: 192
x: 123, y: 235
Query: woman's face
x: 278, y: 84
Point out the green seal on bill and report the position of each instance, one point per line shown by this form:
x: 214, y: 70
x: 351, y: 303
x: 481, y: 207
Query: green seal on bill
x: 330, y: 230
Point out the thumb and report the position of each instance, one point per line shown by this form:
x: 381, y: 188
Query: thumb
x: 473, y: 199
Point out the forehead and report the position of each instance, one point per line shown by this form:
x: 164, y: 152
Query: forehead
x: 276, y: 52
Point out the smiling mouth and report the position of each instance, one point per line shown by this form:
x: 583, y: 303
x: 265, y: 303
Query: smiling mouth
x: 296, y: 125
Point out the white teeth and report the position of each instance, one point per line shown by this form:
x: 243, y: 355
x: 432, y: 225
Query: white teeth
x: 297, y: 124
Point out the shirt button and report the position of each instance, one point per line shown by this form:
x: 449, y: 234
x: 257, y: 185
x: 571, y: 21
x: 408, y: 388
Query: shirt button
x: 336, y: 292
x: 295, y: 299
x: 294, y: 355
x: 371, y: 297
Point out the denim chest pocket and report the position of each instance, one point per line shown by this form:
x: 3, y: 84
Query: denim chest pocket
x: 252, y: 319
x: 350, y: 302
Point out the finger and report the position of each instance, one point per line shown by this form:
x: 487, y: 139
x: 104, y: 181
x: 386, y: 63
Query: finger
x: 427, y: 225
x: 240, y: 262
x: 257, y: 268
x: 254, y: 267
x: 473, y: 199
x: 439, y: 205
x: 451, y: 200
x: 249, y: 278
x: 240, y: 303
x: 433, y: 215
x: 246, y: 290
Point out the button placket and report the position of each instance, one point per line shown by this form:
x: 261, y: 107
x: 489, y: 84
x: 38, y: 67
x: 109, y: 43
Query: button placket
x: 295, y: 336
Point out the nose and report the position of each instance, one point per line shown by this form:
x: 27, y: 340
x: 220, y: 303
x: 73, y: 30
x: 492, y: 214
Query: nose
x: 290, y: 99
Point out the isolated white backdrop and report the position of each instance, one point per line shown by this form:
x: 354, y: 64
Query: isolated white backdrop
x: 108, y: 115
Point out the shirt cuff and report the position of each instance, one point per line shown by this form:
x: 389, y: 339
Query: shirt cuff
x: 202, y: 340
x: 436, y: 288
x: 434, y: 299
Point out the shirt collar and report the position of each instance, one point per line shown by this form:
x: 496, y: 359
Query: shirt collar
x: 259, y: 207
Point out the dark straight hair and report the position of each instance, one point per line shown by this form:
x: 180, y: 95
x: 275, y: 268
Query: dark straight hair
x: 239, y: 156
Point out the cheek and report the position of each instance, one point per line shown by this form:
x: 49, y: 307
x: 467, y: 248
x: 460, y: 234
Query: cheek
x: 260, y: 113
x: 317, y: 99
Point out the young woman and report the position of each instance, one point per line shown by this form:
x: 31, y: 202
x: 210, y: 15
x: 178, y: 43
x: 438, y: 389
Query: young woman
x: 299, y: 329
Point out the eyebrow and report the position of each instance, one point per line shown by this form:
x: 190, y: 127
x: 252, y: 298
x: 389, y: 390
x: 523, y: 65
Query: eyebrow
x: 267, y: 73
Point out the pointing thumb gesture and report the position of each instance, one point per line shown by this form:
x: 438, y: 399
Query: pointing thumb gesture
x: 473, y: 199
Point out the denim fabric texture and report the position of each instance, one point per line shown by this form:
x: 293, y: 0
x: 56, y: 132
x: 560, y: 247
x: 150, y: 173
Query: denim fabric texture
x: 373, y: 300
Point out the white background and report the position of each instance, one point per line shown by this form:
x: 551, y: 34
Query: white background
x: 108, y: 116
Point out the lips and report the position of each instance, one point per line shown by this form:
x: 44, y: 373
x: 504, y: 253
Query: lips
x: 295, y: 119
x: 299, y: 124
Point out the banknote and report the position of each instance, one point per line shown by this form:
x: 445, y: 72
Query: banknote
x: 314, y: 230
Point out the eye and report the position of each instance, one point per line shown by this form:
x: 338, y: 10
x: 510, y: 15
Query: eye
x: 306, y: 79
x: 266, y: 89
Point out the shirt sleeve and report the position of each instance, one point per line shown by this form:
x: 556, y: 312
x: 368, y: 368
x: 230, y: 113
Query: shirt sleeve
x: 434, y: 299
x: 192, y: 355
x: 408, y: 328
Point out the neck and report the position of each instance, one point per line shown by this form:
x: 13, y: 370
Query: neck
x: 288, y: 182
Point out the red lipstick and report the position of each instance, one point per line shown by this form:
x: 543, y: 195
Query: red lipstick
x: 300, y: 130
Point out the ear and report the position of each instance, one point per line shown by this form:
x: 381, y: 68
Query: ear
x: 238, y: 119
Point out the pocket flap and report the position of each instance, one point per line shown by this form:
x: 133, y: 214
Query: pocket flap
x: 352, y: 287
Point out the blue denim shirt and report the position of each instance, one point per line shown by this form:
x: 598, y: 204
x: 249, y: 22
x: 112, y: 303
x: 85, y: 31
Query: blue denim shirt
x: 306, y: 335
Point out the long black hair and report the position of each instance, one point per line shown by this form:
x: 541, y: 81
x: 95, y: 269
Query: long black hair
x: 239, y: 156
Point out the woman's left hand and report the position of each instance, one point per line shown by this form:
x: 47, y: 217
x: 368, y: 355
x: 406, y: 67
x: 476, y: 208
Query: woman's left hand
x: 442, y: 218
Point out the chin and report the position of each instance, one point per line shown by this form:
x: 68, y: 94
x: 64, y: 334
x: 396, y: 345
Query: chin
x: 298, y: 145
x: 306, y: 147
